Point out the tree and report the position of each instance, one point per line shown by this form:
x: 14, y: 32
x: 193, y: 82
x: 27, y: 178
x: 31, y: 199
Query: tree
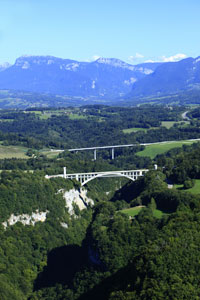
x: 152, y: 204
x: 189, y: 183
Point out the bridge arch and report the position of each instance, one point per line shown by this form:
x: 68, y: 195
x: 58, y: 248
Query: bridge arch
x: 110, y: 174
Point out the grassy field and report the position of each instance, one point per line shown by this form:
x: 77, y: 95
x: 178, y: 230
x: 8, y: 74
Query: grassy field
x: 169, y: 124
x: 77, y: 117
x: 6, y: 120
x: 67, y: 112
x: 158, y: 213
x: 195, y: 190
x: 49, y: 153
x: 20, y: 152
x: 134, y: 211
x: 42, y: 116
x: 47, y: 114
x: 12, y: 152
x: 155, y: 149
x: 134, y: 129
x: 58, y: 112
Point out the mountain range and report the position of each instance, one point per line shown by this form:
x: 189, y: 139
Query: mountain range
x: 105, y: 79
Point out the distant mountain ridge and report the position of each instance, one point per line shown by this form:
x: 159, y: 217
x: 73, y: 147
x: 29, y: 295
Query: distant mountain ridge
x: 103, y: 78
x: 106, y: 79
x: 169, y: 78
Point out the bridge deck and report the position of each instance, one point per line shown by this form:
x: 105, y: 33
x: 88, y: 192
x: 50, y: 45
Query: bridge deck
x: 103, y: 147
x: 129, y: 145
x: 108, y: 172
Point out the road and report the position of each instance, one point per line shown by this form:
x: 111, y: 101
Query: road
x: 184, y: 116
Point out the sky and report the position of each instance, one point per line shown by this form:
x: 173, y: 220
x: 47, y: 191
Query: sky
x: 134, y: 31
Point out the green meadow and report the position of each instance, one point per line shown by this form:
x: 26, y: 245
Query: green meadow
x: 13, y: 152
x: 195, y: 190
x: 169, y: 124
x: 159, y: 148
x: 77, y: 117
x: 20, y: 152
x: 134, y: 211
x: 50, y: 153
x: 134, y: 129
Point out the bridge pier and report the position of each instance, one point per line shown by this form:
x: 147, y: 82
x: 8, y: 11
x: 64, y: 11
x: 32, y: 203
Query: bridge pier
x: 95, y: 154
x: 113, y: 153
x: 64, y: 173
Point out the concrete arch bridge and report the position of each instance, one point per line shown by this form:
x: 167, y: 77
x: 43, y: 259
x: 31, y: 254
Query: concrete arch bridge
x: 84, y: 178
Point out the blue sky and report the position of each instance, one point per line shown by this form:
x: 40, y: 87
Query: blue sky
x: 132, y: 30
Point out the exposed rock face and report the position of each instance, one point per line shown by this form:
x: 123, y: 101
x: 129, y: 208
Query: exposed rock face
x: 26, y: 219
x: 77, y: 197
x: 64, y: 225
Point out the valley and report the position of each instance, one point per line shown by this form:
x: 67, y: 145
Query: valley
x: 61, y: 240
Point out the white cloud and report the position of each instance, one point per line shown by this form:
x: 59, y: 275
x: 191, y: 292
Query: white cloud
x: 150, y: 61
x: 173, y: 58
x: 133, y: 58
x: 164, y: 58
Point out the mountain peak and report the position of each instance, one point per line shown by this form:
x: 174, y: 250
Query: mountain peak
x: 34, y: 59
x: 27, y: 61
x: 114, y: 62
x: 104, y: 60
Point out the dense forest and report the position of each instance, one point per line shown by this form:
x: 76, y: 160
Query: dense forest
x: 93, y: 126
x: 101, y: 252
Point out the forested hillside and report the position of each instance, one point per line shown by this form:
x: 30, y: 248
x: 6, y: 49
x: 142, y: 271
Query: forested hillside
x: 135, y: 240
x: 141, y: 258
